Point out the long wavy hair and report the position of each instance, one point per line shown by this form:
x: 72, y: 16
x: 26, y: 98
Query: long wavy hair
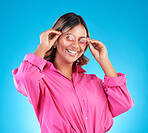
x: 65, y: 23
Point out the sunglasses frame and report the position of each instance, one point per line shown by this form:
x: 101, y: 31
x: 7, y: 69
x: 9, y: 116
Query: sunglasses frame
x: 64, y: 34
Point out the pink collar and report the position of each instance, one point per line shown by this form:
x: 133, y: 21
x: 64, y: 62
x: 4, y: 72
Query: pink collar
x: 77, y: 68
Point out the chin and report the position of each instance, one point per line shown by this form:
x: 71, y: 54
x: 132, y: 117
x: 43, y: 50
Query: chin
x: 68, y: 61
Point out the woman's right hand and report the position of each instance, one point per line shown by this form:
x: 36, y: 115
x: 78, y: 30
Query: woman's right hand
x: 44, y: 38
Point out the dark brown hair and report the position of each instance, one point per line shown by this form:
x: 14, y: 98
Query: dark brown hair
x: 65, y: 23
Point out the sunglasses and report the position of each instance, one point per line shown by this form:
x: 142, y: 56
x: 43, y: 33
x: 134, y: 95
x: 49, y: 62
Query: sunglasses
x: 70, y: 39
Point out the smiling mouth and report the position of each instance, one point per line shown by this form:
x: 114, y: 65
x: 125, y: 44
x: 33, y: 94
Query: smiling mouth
x: 72, y: 52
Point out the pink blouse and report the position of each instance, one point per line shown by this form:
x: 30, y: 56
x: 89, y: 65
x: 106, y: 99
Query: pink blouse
x: 84, y: 105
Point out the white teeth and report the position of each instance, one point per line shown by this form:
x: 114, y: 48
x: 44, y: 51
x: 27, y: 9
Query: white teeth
x: 73, y: 52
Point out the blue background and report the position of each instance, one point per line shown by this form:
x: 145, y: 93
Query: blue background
x: 121, y: 25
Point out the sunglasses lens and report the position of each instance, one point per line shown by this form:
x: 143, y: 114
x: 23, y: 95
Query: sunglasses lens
x: 83, y: 41
x: 69, y: 37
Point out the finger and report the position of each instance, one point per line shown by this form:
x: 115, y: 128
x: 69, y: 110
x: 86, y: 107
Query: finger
x: 52, y: 34
x: 53, y: 31
x: 55, y: 38
x: 93, y: 41
x: 98, y: 44
x: 92, y: 44
x: 90, y: 47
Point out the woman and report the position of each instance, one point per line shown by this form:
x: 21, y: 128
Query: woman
x: 65, y: 98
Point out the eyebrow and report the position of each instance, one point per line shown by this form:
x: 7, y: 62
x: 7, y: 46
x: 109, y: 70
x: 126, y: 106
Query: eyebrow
x: 74, y: 35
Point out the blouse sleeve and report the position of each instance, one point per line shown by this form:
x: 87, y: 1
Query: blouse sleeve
x: 117, y: 93
x: 27, y: 77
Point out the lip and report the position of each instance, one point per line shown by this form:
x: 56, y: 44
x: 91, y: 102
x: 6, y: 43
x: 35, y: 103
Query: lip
x: 72, y: 53
x: 72, y: 50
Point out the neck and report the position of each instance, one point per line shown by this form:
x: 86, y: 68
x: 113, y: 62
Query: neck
x: 65, y: 68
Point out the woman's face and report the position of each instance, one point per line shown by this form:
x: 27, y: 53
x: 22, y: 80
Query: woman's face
x: 67, y: 51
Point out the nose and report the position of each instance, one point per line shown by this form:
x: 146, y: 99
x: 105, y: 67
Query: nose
x: 76, y: 44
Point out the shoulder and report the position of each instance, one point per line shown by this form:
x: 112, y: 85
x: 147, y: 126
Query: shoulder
x: 91, y: 77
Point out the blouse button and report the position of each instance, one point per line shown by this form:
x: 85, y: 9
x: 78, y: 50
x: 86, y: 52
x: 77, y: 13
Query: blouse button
x: 86, y: 117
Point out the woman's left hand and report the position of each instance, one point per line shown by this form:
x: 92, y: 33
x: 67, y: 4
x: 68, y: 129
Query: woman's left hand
x: 98, y: 49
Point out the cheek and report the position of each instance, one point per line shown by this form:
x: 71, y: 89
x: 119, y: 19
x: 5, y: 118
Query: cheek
x: 83, y: 45
x: 63, y: 44
x: 83, y: 48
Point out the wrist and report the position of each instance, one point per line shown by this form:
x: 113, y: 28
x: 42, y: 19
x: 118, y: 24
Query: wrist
x: 43, y: 47
x: 107, y: 67
x: 40, y: 51
x: 103, y: 60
